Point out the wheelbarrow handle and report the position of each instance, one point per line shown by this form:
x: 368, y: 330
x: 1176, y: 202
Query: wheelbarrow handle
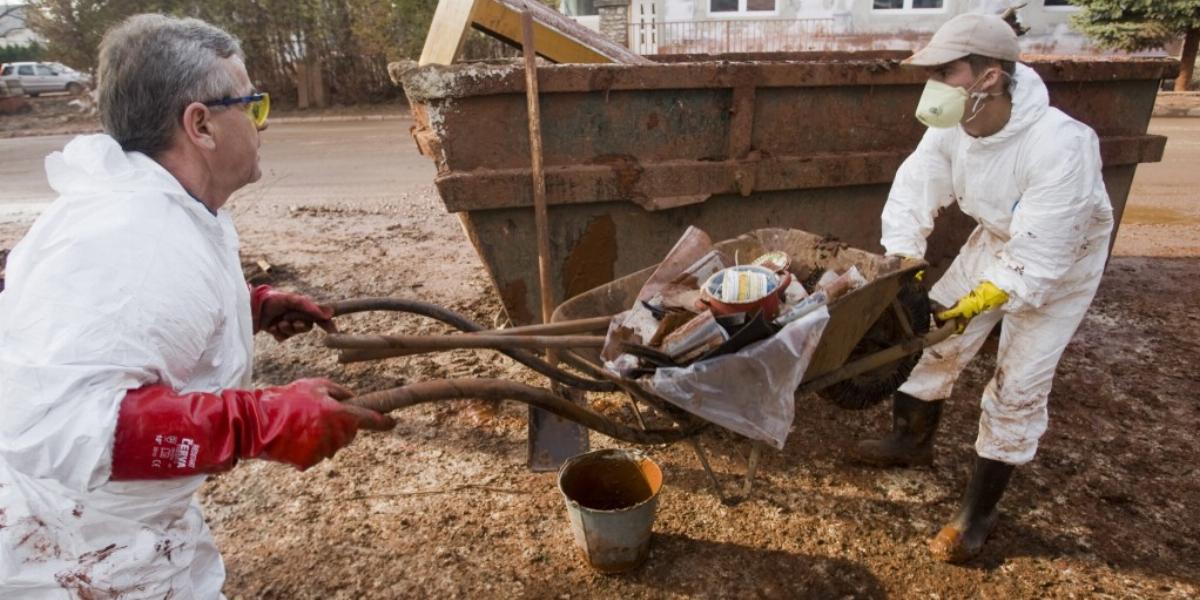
x: 881, y: 358
x: 496, y: 389
x: 427, y: 343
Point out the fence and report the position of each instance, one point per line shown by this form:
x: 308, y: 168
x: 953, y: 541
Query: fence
x: 729, y: 35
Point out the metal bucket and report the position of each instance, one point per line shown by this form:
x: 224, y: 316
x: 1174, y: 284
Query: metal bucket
x: 611, y: 497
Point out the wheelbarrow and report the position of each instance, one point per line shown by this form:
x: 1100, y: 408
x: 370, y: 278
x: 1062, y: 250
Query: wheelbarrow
x: 870, y: 344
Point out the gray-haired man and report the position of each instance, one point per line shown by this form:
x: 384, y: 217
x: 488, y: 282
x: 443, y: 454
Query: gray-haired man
x: 125, y: 334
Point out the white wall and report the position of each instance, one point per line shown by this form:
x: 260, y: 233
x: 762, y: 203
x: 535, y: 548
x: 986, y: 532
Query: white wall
x: 18, y: 35
x: 860, y: 26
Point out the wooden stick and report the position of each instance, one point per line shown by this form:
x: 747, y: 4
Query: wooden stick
x: 555, y: 328
x: 455, y: 341
x: 540, y: 215
x: 353, y: 355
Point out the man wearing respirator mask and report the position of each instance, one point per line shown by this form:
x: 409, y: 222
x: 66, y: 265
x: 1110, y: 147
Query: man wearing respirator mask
x: 1030, y: 175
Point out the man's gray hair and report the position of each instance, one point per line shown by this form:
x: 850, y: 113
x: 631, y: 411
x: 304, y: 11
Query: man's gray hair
x: 153, y: 66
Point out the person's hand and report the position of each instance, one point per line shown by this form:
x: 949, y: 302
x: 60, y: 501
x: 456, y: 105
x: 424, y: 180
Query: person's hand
x: 313, y: 422
x: 162, y: 434
x: 983, y: 298
x: 284, y: 314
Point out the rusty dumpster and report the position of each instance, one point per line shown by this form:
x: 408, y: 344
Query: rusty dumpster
x: 636, y: 153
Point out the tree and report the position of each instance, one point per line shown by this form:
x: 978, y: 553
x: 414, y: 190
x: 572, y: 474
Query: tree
x: 1133, y: 25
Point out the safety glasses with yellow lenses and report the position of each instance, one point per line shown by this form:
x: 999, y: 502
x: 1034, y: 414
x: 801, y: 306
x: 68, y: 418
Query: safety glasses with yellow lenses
x: 258, y: 104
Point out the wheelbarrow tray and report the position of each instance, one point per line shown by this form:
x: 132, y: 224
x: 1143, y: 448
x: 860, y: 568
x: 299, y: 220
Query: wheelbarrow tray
x: 850, y: 316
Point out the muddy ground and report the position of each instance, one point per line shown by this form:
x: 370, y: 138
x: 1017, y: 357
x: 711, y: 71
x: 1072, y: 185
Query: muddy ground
x: 444, y: 507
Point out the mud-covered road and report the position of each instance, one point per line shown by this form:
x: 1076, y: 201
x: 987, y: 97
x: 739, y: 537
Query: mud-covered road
x: 444, y: 507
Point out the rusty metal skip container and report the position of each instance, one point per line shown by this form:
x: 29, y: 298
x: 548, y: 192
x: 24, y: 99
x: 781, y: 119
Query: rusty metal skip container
x: 730, y: 143
x: 611, y: 498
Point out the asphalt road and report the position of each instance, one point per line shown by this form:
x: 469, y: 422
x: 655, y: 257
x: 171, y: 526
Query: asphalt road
x: 344, y: 161
x: 300, y: 161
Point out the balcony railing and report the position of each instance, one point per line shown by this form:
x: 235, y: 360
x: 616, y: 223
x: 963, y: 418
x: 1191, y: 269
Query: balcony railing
x: 728, y: 35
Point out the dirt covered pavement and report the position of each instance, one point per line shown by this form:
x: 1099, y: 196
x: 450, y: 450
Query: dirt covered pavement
x: 444, y: 507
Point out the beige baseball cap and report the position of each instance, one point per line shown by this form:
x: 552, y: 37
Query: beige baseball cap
x: 985, y: 35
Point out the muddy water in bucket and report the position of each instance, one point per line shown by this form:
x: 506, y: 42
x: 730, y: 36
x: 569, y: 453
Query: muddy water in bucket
x: 611, y: 497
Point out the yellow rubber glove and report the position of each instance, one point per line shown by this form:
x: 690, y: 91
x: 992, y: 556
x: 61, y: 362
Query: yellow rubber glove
x: 983, y: 298
x: 919, y: 276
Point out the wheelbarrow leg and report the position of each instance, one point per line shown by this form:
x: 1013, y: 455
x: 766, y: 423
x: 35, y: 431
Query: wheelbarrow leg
x: 751, y: 469
x: 637, y: 413
x: 712, y: 477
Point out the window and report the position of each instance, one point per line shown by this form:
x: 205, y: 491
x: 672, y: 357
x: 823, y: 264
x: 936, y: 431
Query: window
x: 908, y: 4
x: 741, y: 6
x: 25, y: 70
x: 580, y: 8
x: 7, y: 70
x: 45, y: 71
x: 1061, y: 4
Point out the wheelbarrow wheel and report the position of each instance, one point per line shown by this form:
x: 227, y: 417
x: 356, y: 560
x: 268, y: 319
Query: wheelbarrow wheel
x: 870, y: 388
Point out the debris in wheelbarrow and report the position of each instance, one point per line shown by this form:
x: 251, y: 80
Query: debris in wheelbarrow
x: 735, y: 355
x: 735, y: 306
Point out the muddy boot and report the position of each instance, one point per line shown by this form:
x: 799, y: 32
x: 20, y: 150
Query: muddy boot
x: 963, y: 538
x: 910, y: 444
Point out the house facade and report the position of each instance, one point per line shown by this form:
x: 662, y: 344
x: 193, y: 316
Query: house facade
x: 716, y: 26
x: 13, y: 31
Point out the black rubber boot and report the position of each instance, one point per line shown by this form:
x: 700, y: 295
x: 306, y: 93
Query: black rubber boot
x: 963, y: 538
x: 910, y: 444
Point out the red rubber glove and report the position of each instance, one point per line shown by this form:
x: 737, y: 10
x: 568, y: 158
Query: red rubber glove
x: 283, y: 314
x: 162, y: 434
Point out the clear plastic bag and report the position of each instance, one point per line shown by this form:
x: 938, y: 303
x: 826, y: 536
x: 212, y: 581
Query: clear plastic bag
x: 752, y: 391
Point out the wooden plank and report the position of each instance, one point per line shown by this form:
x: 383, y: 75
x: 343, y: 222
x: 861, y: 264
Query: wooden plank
x: 447, y: 32
x: 557, y: 37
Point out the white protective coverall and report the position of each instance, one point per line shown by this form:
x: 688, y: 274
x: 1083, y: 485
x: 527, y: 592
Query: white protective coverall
x: 124, y: 281
x: 1044, y: 225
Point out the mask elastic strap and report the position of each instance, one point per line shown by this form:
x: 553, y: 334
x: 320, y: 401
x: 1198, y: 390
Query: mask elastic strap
x: 980, y: 96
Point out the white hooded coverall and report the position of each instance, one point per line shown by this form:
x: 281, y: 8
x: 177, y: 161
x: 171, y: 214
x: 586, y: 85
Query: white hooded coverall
x: 124, y: 281
x: 1044, y: 226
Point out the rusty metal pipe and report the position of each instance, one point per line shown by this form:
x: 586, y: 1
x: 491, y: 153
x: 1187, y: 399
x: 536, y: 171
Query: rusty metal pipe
x: 497, y: 389
x: 462, y: 323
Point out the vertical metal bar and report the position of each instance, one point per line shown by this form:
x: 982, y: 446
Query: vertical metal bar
x: 751, y: 469
x: 552, y: 440
x: 712, y: 477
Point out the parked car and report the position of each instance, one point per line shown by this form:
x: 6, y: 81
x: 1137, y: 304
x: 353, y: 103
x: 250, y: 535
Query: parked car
x: 39, y: 78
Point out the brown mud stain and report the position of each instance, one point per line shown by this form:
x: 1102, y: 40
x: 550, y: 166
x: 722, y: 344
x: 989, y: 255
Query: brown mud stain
x: 593, y: 259
x: 1156, y: 215
x: 627, y: 169
x: 37, y: 541
x: 79, y: 580
x: 516, y: 301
